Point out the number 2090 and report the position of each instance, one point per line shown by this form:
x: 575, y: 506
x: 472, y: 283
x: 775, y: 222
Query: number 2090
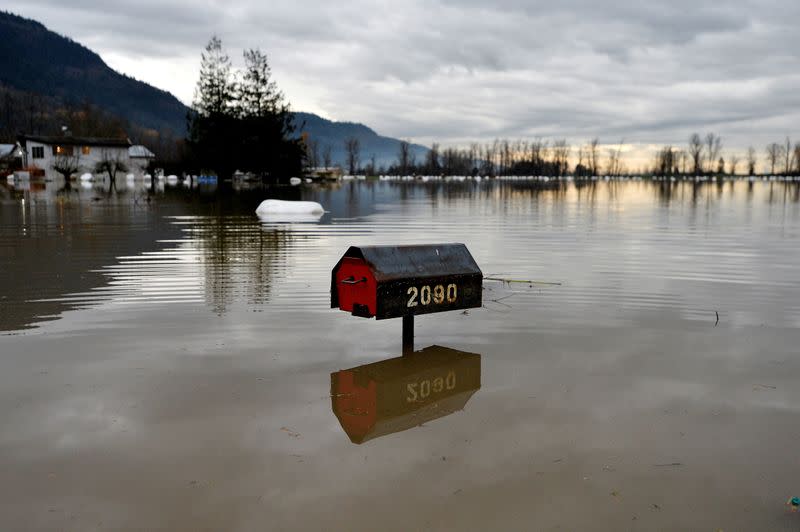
x: 424, y: 295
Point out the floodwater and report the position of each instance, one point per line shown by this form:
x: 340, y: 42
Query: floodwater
x: 167, y: 361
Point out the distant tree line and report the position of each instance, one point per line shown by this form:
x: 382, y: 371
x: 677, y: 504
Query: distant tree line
x: 500, y: 157
x: 240, y: 120
x: 703, y: 156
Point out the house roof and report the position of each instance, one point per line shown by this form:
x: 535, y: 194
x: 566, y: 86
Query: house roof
x: 77, y: 141
x: 140, y: 151
x: 7, y: 150
x: 389, y: 263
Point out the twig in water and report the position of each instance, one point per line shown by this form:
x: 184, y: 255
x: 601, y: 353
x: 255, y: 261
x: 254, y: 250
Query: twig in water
x: 756, y: 386
x: 499, y: 299
x: 717, y: 322
x: 523, y: 281
x: 672, y: 464
x: 497, y: 310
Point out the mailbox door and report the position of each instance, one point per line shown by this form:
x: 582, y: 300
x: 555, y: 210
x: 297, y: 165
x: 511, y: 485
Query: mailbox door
x: 356, y: 287
x: 409, y: 297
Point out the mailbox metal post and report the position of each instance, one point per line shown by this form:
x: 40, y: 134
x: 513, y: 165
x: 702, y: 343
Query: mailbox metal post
x: 408, y: 335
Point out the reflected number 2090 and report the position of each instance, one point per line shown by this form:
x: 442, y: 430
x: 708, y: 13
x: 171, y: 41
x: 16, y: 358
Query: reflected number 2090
x: 421, y: 390
x: 424, y: 295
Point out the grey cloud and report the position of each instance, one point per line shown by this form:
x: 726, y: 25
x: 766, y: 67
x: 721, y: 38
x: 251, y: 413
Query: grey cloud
x: 649, y: 71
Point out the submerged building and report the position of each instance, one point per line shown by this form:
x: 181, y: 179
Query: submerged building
x: 46, y: 153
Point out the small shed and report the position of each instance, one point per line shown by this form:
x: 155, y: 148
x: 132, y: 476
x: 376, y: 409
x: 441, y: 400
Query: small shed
x: 394, y: 281
x: 12, y: 156
x: 140, y: 158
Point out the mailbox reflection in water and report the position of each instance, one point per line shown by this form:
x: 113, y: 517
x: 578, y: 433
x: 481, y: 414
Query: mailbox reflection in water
x: 401, y: 393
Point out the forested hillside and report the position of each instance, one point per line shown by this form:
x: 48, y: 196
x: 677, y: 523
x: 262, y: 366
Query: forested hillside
x: 48, y: 81
x: 36, y: 60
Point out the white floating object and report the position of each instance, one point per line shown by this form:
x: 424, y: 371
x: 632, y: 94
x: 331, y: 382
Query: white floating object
x: 172, y: 179
x: 86, y: 184
x: 86, y: 177
x: 308, y: 180
x: 130, y: 177
x: 295, y: 180
x: 289, y: 217
x: 10, y: 177
x: 275, y: 206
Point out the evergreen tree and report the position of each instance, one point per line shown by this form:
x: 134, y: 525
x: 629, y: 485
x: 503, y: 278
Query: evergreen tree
x: 244, y: 122
x: 269, y: 146
x: 215, y: 90
x: 212, y: 125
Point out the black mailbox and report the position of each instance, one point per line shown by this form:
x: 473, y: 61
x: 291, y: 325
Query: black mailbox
x: 403, y: 281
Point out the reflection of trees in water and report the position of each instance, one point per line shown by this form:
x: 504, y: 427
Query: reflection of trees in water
x: 698, y: 193
x: 240, y: 260
x: 487, y: 190
x: 239, y: 256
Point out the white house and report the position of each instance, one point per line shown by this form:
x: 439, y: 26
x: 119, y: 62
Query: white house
x: 45, y: 152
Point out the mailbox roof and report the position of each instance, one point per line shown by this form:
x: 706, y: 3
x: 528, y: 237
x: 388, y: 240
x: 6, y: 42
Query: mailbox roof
x: 390, y: 263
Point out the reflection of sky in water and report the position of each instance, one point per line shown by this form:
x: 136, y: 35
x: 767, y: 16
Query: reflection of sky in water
x: 630, y: 247
x: 190, y: 342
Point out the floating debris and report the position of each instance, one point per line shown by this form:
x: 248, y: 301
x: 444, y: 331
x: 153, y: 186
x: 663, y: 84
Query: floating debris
x: 522, y: 281
x: 290, y: 432
x: 764, y: 386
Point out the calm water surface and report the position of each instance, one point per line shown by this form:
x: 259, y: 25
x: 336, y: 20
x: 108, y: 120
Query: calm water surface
x: 167, y: 361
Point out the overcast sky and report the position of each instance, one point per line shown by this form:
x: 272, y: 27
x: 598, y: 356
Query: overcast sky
x: 458, y: 70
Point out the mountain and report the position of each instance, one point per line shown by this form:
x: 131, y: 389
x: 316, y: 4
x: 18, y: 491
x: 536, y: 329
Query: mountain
x: 327, y: 133
x: 37, y: 61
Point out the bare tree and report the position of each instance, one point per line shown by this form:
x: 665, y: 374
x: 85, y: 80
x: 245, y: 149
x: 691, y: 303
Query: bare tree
x: 615, y: 160
x: 352, y: 148
x: 774, y: 154
x: 594, y: 162
x: 665, y: 161
x: 111, y: 164
x: 681, y: 158
x: 713, y: 147
x: 696, y: 152
x: 751, y: 161
x: 733, y: 162
x: 561, y: 156
x: 797, y: 157
x: 787, y: 166
x: 580, y: 169
x: 432, y: 160
x: 404, y: 156
x: 67, y: 164
x: 474, y: 150
x: 327, y: 155
x: 312, y: 152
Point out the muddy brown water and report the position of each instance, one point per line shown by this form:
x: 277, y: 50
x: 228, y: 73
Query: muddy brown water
x: 166, y: 361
